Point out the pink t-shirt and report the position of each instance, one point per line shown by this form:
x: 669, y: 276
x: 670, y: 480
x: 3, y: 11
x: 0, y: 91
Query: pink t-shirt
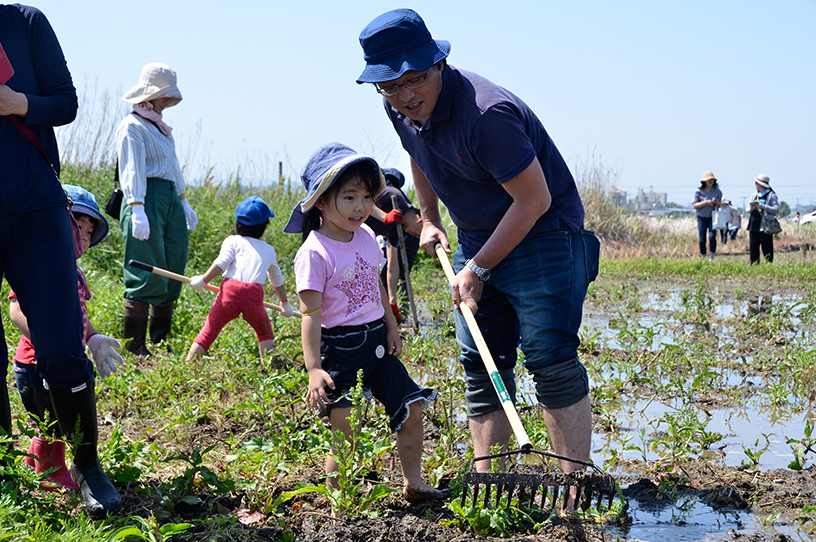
x: 347, y: 274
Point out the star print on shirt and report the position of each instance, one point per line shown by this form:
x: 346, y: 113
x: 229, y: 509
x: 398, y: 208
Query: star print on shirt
x: 360, y: 285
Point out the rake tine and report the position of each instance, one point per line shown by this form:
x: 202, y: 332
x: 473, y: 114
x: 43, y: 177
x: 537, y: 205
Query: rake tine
x: 475, y: 490
x: 488, y: 487
x: 586, y: 496
x: 554, y: 496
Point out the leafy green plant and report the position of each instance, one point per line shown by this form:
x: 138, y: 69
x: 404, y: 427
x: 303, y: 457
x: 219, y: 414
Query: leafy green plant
x: 802, y: 446
x: 353, y: 494
x: 197, y: 475
x: 148, y: 529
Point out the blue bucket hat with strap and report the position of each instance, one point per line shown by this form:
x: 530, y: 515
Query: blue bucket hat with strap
x: 85, y: 203
x: 397, y: 42
x: 323, y: 168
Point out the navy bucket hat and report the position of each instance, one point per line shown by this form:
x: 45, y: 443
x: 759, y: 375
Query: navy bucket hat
x: 393, y: 177
x: 253, y: 211
x: 323, y: 168
x: 85, y: 203
x: 397, y: 42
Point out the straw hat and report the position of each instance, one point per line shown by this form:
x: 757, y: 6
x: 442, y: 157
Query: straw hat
x: 707, y: 176
x: 157, y: 81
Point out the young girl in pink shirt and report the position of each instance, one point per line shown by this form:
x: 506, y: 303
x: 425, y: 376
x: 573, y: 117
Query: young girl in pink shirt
x: 347, y: 324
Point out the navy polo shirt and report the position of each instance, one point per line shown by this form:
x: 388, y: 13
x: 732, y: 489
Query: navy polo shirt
x: 479, y: 136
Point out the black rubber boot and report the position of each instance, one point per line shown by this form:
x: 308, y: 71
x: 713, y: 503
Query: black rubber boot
x: 76, y: 412
x: 161, y: 319
x: 135, y: 327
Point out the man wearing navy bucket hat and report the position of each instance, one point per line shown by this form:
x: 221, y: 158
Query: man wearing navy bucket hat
x: 522, y: 254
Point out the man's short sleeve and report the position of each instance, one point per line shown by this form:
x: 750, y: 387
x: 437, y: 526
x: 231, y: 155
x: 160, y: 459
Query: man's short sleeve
x: 501, y: 144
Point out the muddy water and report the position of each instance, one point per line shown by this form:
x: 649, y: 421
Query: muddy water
x: 752, y: 425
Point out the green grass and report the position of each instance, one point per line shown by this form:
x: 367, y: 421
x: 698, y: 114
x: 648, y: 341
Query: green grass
x: 223, y: 432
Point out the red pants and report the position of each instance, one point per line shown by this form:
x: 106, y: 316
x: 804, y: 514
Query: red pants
x: 236, y: 299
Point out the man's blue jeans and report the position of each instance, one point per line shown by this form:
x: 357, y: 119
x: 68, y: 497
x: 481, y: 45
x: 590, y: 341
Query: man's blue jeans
x: 534, y: 300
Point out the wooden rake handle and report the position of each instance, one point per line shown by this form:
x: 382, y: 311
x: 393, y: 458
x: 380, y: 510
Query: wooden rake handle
x: 181, y: 278
x: 490, y: 365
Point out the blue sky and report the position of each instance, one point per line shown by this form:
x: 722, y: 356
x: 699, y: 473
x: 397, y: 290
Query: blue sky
x: 656, y: 92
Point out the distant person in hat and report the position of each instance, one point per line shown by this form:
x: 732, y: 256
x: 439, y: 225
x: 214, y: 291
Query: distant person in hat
x: 523, y: 260
x: 47, y: 451
x: 155, y: 215
x: 764, y: 201
x: 393, y: 274
x: 707, y: 198
x: 347, y: 326
x: 37, y: 245
x: 246, y: 262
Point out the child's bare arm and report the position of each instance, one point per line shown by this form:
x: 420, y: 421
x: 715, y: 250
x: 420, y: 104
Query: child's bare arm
x: 310, y: 306
x: 18, y: 318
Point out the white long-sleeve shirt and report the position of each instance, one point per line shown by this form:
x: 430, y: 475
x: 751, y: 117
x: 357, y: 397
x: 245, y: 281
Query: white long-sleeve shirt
x: 145, y: 152
x: 249, y: 260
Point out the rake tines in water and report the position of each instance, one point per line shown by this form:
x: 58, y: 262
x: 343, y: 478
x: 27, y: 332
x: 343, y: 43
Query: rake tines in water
x: 540, y: 490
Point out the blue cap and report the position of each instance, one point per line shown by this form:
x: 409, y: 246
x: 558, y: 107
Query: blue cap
x: 85, y: 203
x: 397, y: 42
x: 253, y: 211
x: 323, y: 168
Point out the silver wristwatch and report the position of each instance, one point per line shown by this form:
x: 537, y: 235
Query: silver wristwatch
x: 483, y: 273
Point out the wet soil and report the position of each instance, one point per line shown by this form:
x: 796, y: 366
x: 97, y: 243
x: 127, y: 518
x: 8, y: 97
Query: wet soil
x: 310, y: 518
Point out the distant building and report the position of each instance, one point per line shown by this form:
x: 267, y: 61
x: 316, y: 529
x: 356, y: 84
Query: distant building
x: 643, y: 202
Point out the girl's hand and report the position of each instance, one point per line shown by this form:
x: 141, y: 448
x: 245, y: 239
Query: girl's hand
x: 394, y: 341
x: 318, y: 380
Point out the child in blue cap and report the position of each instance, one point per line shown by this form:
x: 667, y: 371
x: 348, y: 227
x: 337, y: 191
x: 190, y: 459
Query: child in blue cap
x: 347, y: 323
x: 48, y: 451
x: 246, y: 261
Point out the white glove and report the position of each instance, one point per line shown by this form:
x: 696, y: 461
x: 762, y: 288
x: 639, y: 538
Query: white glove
x: 287, y: 309
x: 197, y: 283
x: 141, y: 227
x: 104, y: 354
x: 192, y: 217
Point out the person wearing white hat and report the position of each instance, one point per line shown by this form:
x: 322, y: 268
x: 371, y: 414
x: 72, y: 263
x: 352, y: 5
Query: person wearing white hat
x: 763, y: 202
x: 155, y: 214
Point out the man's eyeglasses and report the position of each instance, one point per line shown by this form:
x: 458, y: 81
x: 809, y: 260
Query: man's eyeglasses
x: 393, y: 90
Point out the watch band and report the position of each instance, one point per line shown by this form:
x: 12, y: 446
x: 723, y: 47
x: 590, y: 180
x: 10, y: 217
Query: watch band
x: 483, y: 273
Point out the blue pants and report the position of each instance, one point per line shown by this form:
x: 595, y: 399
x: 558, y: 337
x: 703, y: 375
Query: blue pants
x: 534, y: 299
x: 703, y: 225
x: 37, y: 259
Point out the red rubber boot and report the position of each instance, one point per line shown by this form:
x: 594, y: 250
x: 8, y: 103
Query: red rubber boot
x: 50, y: 454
